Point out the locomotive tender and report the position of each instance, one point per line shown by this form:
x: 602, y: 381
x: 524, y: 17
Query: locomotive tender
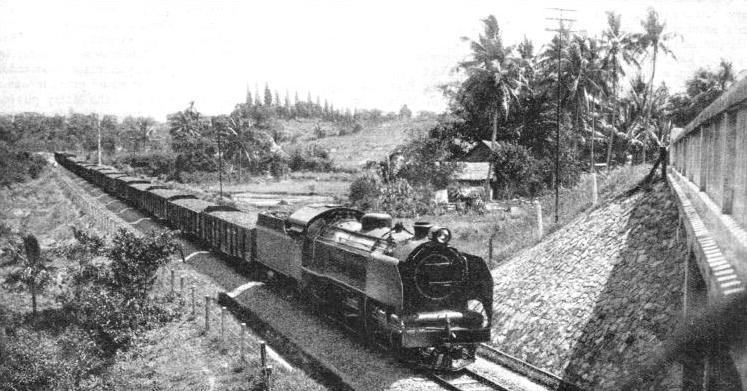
x: 408, y: 291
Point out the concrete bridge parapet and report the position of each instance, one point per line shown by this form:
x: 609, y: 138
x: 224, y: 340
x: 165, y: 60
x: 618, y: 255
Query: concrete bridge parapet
x: 708, y: 174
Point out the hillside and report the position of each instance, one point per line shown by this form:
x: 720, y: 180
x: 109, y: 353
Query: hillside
x: 352, y: 150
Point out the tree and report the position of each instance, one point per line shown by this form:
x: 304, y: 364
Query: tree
x: 82, y: 129
x: 248, y: 100
x: 620, y: 50
x: 33, y: 272
x: 493, y: 67
x: 191, y: 140
x: 583, y: 77
x: 701, y: 89
x: 268, y: 96
x: 139, y: 130
x: 654, y: 40
x: 287, y: 105
x: 109, y: 133
x: 278, y: 105
x: 405, y: 112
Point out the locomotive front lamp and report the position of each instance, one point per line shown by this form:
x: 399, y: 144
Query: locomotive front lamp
x: 442, y: 235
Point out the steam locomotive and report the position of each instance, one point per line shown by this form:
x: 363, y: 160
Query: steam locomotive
x: 405, y: 290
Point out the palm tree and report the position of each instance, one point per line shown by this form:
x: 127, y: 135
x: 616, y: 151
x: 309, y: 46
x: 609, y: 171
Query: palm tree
x: 495, y: 64
x: 725, y: 74
x: 189, y: 138
x: 584, y: 76
x: 653, y: 39
x: 620, y: 50
x: 185, y: 123
x: 637, y: 127
x: 33, y: 271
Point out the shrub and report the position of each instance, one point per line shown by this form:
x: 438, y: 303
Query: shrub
x: 36, y: 166
x: 109, y: 300
x: 278, y: 165
x: 400, y: 199
x: 319, y: 132
x: 424, y: 162
x: 17, y: 165
x: 365, y: 191
x: 136, y: 260
x: 28, y: 362
x: 517, y: 172
x: 310, y: 158
x: 279, y: 134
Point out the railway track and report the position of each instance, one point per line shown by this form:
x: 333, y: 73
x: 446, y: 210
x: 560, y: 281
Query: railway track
x: 465, y: 380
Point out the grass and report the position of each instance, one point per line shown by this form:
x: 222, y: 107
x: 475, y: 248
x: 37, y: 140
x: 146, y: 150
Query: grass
x: 516, y: 230
x: 373, y: 142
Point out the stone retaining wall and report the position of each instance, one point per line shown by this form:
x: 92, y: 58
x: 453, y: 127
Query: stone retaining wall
x: 593, y: 300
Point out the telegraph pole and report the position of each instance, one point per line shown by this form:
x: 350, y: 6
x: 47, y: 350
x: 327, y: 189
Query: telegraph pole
x: 98, y: 127
x: 560, y: 30
x: 217, y: 126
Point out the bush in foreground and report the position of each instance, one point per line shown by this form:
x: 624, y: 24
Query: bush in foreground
x: 105, y: 304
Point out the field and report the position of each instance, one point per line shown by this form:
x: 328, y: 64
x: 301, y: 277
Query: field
x: 373, y: 142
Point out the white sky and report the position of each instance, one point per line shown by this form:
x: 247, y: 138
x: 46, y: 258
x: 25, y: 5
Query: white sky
x: 154, y: 57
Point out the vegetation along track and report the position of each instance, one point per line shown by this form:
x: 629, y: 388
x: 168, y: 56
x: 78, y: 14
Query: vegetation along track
x: 465, y: 380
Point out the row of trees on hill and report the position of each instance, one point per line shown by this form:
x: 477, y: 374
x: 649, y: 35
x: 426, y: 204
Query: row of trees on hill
x: 513, y: 95
x: 271, y: 102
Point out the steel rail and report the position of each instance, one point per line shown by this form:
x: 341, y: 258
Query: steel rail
x: 457, y: 382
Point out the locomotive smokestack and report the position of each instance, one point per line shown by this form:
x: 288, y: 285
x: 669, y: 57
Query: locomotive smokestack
x: 421, y: 229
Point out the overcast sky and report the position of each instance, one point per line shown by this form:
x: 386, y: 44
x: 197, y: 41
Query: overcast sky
x: 154, y: 57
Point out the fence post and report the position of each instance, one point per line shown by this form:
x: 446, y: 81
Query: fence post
x: 242, y: 341
x: 266, y: 370
x: 181, y: 285
x: 172, y: 281
x: 193, y: 299
x: 540, y: 228
x: 207, y: 314
x: 594, y: 190
x: 222, y: 326
x: 490, y: 250
x: 268, y: 374
x: 263, y: 353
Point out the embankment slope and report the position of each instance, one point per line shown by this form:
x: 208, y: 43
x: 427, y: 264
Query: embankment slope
x: 594, y: 299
